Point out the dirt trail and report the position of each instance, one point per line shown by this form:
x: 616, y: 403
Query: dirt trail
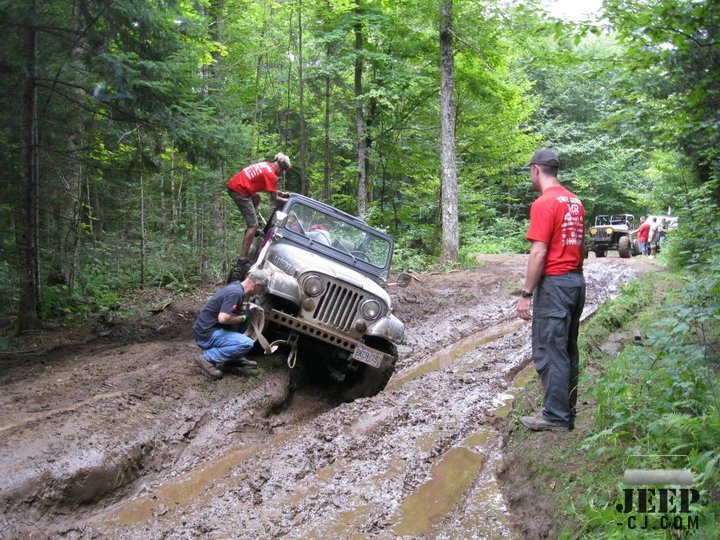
x: 121, y: 436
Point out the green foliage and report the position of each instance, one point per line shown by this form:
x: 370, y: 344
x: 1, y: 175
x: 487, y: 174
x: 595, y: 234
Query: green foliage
x: 676, y: 45
x: 660, y: 399
x: 8, y: 288
x: 500, y: 235
x: 185, y: 94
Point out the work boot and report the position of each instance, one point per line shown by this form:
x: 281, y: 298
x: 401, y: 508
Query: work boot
x: 538, y: 423
x: 246, y: 362
x: 242, y: 366
x: 209, y: 369
x: 240, y: 269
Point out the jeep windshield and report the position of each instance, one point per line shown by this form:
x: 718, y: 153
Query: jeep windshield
x: 614, y: 219
x: 339, y: 232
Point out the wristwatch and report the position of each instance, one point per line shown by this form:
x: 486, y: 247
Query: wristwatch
x: 525, y: 294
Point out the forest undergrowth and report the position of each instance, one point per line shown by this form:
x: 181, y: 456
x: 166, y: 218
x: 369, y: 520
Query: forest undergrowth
x: 655, y: 404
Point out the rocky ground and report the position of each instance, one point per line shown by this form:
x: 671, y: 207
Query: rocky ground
x: 109, y: 430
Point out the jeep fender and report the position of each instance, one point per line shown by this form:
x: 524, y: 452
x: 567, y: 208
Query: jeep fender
x: 389, y: 328
x: 285, y: 287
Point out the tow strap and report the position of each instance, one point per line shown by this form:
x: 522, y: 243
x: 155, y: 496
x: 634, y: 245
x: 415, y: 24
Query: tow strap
x: 256, y: 316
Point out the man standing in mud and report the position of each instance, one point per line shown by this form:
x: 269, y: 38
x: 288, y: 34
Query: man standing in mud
x: 555, y: 280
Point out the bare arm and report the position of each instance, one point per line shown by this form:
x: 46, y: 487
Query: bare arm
x: 278, y: 197
x: 536, y: 265
x: 229, y: 319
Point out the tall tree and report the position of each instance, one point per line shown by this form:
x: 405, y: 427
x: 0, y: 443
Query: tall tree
x: 359, y: 113
x: 27, y: 223
x: 449, y: 204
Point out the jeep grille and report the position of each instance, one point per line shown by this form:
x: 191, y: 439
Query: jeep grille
x: 338, y: 306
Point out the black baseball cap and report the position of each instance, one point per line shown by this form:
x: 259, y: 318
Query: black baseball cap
x: 545, y: 156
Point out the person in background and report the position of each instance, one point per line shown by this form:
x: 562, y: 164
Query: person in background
x: 244, y: 189
x: 215, y: 331
x: 555, y: 280
x: 643, y: 231
x: 656, y: 231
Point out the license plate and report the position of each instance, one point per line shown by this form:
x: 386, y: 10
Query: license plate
x: 368, y: 356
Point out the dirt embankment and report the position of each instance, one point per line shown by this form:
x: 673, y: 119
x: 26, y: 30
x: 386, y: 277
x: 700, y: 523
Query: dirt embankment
x: 117, y: 434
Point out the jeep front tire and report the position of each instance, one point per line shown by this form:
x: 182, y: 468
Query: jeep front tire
x: 368, y: 381
x: 624, y: 247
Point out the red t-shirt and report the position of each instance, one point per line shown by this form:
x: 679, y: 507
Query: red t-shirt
x: 643, y: 232
x: 557, y: 218
x: 254, y: 179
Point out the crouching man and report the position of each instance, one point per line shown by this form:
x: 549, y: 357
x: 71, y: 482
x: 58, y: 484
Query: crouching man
x: 215, y: 330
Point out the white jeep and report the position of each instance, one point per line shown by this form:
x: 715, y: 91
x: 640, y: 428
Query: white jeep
x: 326, y: 301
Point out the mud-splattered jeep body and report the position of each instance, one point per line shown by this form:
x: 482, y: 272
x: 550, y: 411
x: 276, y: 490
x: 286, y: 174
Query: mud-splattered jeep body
x: 612, y: 231
x: 326, y: 300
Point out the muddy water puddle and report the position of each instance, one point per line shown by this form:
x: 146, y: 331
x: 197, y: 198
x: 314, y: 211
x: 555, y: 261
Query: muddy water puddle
x: 452, y: 352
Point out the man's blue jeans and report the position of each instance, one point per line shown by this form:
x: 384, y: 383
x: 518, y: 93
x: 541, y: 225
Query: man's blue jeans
x: 225, y: 345
x: 559, y: 302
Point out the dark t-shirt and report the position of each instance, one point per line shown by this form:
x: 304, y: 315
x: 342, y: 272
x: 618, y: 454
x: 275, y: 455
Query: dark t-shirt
x: 227, y: 300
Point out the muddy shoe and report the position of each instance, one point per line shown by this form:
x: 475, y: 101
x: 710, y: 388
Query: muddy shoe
x: 240, y: 270
x: 243, y: 367
x: 241, y: 371
x: 538, y: 423
x: 208, y: 368
x: 247, y: 363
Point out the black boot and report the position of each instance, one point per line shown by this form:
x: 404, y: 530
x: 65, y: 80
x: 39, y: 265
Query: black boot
x: 239, y: 271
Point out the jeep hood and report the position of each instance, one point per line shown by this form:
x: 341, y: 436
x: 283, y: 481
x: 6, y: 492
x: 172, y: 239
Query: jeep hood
x: 295, y: 260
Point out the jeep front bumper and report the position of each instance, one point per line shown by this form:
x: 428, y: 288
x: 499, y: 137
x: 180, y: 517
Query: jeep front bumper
x: 360, y: 351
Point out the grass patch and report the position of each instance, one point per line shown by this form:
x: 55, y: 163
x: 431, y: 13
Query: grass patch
x: 655, y: 405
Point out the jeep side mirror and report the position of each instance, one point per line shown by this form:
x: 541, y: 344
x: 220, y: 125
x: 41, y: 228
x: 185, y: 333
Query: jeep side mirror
x: 280, y: 219
x: 403, y: 280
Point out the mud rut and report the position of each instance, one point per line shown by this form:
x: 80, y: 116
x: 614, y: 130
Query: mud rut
x: 130, y: 441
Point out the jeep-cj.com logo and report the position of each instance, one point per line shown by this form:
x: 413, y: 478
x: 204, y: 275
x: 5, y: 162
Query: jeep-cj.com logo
x: 659, y: 507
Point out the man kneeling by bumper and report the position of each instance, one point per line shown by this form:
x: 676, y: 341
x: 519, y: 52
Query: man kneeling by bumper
x: 215, y: 331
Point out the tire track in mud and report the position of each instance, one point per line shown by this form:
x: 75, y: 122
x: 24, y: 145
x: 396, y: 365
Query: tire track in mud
x: 247, y: 467
x: 371, y: 467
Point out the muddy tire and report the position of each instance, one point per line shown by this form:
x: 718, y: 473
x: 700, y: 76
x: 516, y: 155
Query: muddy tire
x: 635, y: 248
x: 368, y: 381
x: 624, y: 247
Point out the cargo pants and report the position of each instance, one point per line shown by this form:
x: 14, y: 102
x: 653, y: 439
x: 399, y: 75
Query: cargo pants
x: 558, y: 304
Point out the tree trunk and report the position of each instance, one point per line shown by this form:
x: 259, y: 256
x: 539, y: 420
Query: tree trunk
x: 326, y: 129
x: 304, y: 187
x: 448, y: 174
x: 359, y: 119
x: 173, y: 196
x: 77, y: 221
x: 143, y: 234
x: 161, y: 189
x: 27, y: 224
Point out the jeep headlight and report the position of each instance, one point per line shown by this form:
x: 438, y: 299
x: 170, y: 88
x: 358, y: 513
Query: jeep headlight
x: 593, y: 231
x: 608, y: 231
x: 370, y: 309
x: 313, y: 285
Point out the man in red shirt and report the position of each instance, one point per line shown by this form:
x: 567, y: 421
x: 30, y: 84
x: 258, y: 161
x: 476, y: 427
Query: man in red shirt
x: 555, y: 279
x: 643, y: 232
x: 244, y: 188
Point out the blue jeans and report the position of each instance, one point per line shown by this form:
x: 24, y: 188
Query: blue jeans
x: 559, y: 302
x: 225, y: 345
